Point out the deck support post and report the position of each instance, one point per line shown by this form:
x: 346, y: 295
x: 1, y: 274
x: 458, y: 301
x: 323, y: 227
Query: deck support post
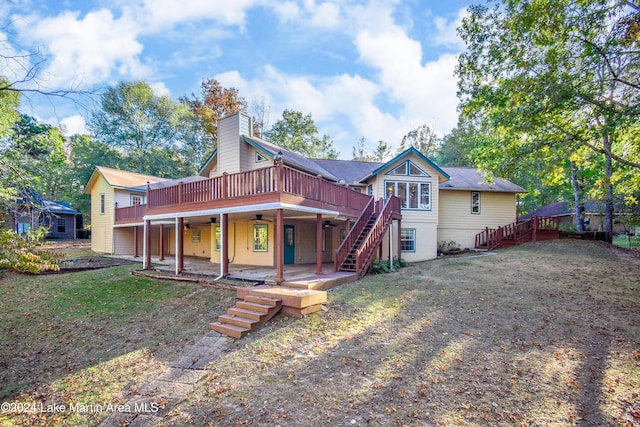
x: 318, y: 243
x: 399, y: 239
x: 534, y: 234
x: 224, y: 245
x: 147, y: 244
x: 161, y: 242
x: 135, y: 241
x: 179, y: 245
x: 279, y: 246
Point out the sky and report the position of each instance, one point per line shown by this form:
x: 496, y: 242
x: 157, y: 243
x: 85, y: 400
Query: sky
x: 372, y: 69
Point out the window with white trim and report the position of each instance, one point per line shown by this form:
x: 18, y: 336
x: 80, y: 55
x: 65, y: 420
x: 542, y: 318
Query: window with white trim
x: 136, y: 199
x: 475, y: 202
x: 216, y: 239
x: 102, y: 204
x: 408, y: 240
x: 407, y: 168
x: 260, y: 237
x: 61, y: 225
x: 412, y: 195
x: 260, y: 157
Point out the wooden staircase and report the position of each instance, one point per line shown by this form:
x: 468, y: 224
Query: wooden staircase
x: 356, y: 252
x: 248, y: 315
x: 349, y: 264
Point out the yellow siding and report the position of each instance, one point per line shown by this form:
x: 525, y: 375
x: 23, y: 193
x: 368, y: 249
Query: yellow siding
x: 458, y: 224
x: 102, y: 224
x: 424, y: 221
x: 199, y: 249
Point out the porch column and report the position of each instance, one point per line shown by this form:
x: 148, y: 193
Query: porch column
x: 279, y: 246
x: 347, y: 226
x: 161, y: 242
x: 147, y: 243
x: 179, y: 245
x: 399, y: 239
x: 135, y: 241
x: 318, y: 243
x: 224, y: 245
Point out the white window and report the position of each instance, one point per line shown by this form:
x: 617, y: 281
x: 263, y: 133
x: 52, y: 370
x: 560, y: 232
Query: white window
x: 102, y: 204
x: 260, y: 158
x: 136, y: 199
x: 216, y: 239
x: 61, y: 225
x: 475, y: 202
x: 408, y: 240
x: 407, y: 168
x: 260, y: 237
x: 413, y: 195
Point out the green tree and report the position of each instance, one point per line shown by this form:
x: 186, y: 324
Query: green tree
x: 359, y: 151
x: 423, y: 139
x: 215, y: 102
x: 298, y: 133
x: 382, y: 152
x: 543, y: 79
x: 136, y: 121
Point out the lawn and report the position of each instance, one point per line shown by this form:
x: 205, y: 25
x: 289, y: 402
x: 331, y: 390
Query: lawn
x: 92, y: 337
x: 625, y: 241
x: 546, y: 333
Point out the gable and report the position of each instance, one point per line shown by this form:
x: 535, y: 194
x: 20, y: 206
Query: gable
x: 412, y: 158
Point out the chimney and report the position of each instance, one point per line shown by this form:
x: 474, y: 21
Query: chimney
x: 230, y: 128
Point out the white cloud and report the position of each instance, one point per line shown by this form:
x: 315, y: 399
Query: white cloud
x: 160, y: 89
x: 160, y: 14
x: 86, y: 51
x: 74, y: 125
x: 447, y: 34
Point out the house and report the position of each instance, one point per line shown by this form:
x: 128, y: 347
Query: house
x: 59, y: 217
x: 256, y: 203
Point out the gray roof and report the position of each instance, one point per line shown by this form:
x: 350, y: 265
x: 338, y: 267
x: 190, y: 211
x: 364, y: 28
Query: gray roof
x: 472, y: 179
x: 562, y: 209
x: 57, y: 207
x: 290, y: 158
x: 170, y: 182
x: 349, y: 171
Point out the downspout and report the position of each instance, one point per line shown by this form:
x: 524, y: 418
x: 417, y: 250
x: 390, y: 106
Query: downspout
x: 222, y: 242
x: 391, y: 246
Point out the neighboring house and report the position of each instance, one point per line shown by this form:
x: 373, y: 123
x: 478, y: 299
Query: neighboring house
x: 59, y: 217
x: 256, y: 203
x: 594, y: 216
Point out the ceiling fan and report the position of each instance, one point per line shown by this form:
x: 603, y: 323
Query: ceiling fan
x: 260, y: 219
x: 328, y: 224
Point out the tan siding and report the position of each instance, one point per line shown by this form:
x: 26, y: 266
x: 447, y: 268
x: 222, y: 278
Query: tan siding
x: 458, y: 224
x: 102, y: 224
x: 424, y: 221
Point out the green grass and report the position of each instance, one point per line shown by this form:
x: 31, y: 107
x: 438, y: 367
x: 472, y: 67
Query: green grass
x: 89, y: 337
x: 626, y: 242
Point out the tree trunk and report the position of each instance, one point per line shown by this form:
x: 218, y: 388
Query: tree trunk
x: 608, y: 198
x: 577, y: 196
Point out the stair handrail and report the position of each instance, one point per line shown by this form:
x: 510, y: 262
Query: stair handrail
x: 370, y: 243
x: 349, y: 240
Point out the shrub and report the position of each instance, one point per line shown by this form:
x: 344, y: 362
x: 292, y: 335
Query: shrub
x: 37, y: 235
x: 450, y: 246
x: 382, y: 266
x: 19, y: 254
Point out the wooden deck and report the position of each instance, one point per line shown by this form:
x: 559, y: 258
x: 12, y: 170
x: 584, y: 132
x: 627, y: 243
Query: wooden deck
x: 275, y: 184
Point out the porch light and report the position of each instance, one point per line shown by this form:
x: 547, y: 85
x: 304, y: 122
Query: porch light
x: 279, y: 156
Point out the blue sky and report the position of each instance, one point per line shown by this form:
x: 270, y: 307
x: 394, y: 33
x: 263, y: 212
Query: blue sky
x: 372, y: 69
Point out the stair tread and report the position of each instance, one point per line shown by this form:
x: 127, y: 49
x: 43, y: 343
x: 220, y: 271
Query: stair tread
x: 247, y: 311
x: 221, y: 327
x: 232, y: 317
x: 255, y: 305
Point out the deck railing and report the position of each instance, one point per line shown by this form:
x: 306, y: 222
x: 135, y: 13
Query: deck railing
x: 271, y: 180
x: 516, y: 232
x: 130, y: 212
x: 385, y: 213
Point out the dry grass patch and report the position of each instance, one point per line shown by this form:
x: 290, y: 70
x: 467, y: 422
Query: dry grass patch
x: 542, y: 334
